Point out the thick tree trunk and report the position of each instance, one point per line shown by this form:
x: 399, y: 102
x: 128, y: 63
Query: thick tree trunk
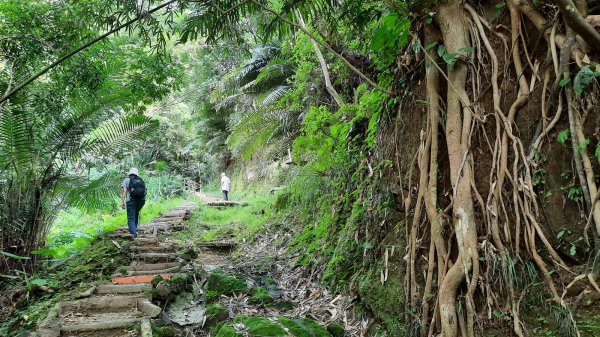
x: 453, y: 25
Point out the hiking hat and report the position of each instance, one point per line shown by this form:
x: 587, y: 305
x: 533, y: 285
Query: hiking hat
x: 133, y: 171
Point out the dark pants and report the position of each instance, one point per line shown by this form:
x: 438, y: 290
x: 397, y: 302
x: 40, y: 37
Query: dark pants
x: 225, y: 196
x: 133, y: 214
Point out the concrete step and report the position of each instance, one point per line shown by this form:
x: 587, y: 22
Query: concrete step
x: 155, y: 257
x: 150, y: 266
x: 123, y: 288
x: 163, y: 248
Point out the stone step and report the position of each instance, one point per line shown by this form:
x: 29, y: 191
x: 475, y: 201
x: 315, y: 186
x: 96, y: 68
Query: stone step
x: 100, y: 322
x: 164, y: 248
x: 150, y: 272
x: 123, y: 288
x: 155, y: 257
x: 136, y: 279
x: 99, y: 303
x: 147, y: 241
x: 150, y: 266
x: 225, y: 203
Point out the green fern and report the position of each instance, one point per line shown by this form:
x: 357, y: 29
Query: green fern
x: 118, y: 133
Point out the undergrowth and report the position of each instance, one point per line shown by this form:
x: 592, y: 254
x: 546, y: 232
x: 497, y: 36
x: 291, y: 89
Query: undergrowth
x: 75, y: 229
x: 29, y: 303
x: 237, y: 223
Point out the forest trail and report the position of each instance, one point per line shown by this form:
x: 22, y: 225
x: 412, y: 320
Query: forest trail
x: 236, y: 288
x: 109, y: 309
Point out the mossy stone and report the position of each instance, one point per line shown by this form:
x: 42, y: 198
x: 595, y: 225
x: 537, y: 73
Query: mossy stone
x: 378, y: 297
x: 179, y: 283
x: 155, y: 281
x: 336, y: 330
x: 221, y: 284
x: 227, y: 331
x: 188, y: 254
x: 260, y: 296
x: 304, y: 327
x: 261, y: 326
x: 164, y: 331
x: 215, y: 313
x: 314, y: 327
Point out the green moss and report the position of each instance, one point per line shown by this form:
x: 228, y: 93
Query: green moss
x: 220, y: 284
x: 163, y: 331
x: 215, y: 313
x: 295, y: 328
x: 179, y: 283
x: 304, y: 327
x: 260, y: 326
x: 377, y: 298
x: 188, y: 254
x: 336, y: 330
x: 260, y: 296
x: 226, y: 331
x: 314, y: 327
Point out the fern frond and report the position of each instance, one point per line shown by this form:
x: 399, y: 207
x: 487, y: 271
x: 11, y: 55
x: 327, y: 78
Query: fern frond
x: 15, y: 139
x: 119, y: 132
x: 269, y: 77
x: 92, y: 195
x: 276, y: 94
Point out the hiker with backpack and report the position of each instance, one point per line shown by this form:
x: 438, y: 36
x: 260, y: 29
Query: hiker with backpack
x: 134, y: 198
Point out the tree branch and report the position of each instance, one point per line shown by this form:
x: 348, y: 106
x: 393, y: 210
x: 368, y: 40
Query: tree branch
x: 574, y: 19
x: 326, y: 46
x: 328, y: 85
x: 72, y: 53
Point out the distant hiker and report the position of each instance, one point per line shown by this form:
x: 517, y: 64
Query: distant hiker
x: 225, y: 185
x: 134, y: 197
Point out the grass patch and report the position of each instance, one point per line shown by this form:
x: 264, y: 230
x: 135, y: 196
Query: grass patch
x: 227, y: 223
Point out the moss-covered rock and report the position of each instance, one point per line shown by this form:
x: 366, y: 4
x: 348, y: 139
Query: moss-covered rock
x: 260, y: 296
x: 188, y: 254
x: 220, y: 284
x: 155, y: 281
x: 180, y: 283
x: 163, y: 331
x: 304, y: 327
x: 226, y: 331
x: 215, y: 313
x: 336, y: 330
x: 263, y: 327
x: 377, y: 298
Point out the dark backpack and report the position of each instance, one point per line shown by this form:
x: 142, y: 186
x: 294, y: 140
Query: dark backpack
x: 137, y: 188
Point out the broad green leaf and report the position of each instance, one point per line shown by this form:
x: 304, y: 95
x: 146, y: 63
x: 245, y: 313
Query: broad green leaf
x: 563, y: 136
x: 39, y: 282
x: 573, y: 250
x: 45, y: 251
x: 13, y: 256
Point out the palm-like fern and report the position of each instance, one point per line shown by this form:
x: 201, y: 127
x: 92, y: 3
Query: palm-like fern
x: 36, y: 156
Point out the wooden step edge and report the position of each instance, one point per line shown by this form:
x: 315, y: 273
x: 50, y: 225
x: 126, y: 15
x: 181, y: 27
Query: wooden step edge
x: 98, y: 326
x: 97, y: 302
x: 150, y: 266
x: 123, y: 288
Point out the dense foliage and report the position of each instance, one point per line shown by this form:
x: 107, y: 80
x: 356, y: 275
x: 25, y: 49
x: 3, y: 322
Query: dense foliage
x: 422, y: 144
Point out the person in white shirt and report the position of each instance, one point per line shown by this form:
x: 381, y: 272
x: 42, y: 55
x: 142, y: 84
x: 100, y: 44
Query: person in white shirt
x: 225, y: 186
